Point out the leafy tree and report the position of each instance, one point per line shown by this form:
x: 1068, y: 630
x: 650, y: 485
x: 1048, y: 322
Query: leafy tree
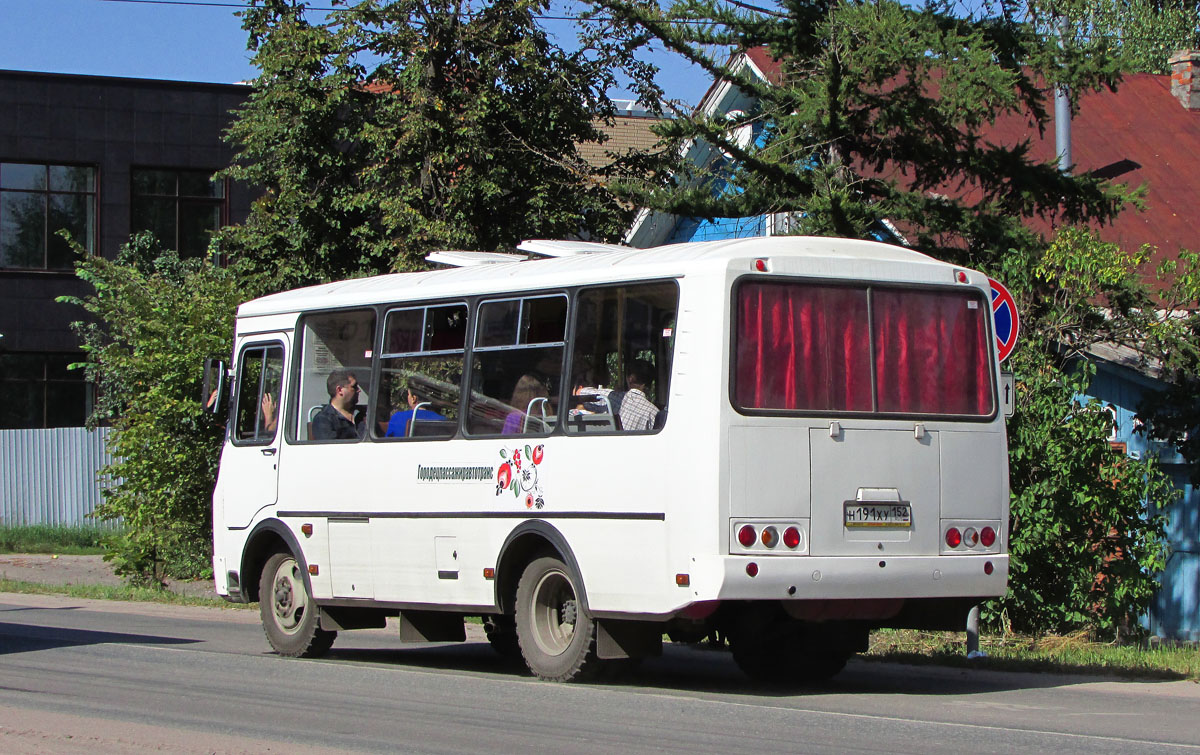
x: 1172, y: 415
x: 398, y: 127
x: 880, y: 114
x: 1144, y: 32
x: 1087, y: 525
x: 152, y: 320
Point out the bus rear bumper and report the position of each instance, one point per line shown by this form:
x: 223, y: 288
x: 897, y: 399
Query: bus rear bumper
x: 852, y: 578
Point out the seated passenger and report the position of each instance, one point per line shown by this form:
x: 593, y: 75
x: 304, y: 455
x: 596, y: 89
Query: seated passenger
x: 636, y: 411
x: 528, y: 389
x: 398, y: 425
x: 336, y: 420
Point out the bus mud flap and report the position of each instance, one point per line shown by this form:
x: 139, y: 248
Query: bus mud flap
x: 431, y: 626
x: 627, y: 639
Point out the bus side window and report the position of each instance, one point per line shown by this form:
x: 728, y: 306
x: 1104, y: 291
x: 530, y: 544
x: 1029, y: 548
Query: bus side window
x: 334, y: 342
x: 259, y: 379
x: 621, y: 361
x: 421, y: 372
x: 516, y: 373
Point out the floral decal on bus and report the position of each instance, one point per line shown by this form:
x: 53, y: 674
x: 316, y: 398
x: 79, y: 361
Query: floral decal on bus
x: 518, y: 473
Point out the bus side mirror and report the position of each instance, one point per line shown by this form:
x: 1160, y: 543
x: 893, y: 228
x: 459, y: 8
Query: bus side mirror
x: 213, y: 391
x: 1008, y: 394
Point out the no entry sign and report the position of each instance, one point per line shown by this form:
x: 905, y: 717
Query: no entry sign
x: 1004, y: 315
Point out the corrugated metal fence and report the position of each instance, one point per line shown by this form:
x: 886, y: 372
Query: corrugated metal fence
x: 49, y: 476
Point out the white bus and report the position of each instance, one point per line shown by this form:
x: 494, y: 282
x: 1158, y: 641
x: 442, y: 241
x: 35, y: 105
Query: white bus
x: 786, y: 441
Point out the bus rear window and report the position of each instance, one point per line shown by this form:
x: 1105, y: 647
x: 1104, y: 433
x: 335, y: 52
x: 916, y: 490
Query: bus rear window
x: 841, y: 349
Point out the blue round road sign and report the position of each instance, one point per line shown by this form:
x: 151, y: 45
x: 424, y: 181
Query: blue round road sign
x: 1004, y: 315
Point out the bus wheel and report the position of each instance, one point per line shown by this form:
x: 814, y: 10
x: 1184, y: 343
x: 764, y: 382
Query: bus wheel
x: 501, y: 631
x: 289, y: 616
x: 557, y: 637
x: 786, y: 652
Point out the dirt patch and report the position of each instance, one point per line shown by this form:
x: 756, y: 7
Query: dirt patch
x: 79, y: 570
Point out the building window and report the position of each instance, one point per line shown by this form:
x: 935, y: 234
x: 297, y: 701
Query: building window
x: 37, y: 390
x: 36, y: 202
x: 181, y: 208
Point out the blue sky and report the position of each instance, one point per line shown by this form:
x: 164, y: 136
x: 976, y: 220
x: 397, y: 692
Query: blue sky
x: 201, y: 41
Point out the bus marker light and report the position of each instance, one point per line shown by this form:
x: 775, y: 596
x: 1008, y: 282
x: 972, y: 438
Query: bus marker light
x: 988, y: 568
x: 953, y: 537
x: 987, y: 537
x: 683, y: 580
x: 960, y: 276
x: 791, y: 537
x: 760, y: 265
x: 489, y: 572
x: 752, y: 569
x: 306, y: 529
x: 747, y: 535
x: 314, y: 570
x: 770, y: 537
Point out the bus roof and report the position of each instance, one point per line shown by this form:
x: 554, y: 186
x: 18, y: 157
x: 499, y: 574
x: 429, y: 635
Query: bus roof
x: 824, y: 254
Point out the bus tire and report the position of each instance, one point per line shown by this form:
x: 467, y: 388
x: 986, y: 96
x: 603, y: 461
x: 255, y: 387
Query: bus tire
x: 786, y: 652
x: 289, y: 616
x: 556, y: 635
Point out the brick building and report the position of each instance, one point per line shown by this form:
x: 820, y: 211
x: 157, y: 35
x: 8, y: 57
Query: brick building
x: 101, y: 157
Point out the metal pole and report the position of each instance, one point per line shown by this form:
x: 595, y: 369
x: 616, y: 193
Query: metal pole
x: 1062, y: 111
x: 973, y: 633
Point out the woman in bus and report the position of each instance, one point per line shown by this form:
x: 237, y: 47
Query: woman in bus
x: 528, y: 390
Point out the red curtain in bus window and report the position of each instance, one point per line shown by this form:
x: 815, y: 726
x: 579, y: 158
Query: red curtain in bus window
x: 931, y: 352
x: 802, y: 347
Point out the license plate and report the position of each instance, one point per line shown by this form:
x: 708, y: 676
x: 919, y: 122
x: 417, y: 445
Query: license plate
x: 860, y: 514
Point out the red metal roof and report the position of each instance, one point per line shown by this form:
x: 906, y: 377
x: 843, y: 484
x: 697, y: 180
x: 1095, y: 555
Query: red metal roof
x: 1140, y: 134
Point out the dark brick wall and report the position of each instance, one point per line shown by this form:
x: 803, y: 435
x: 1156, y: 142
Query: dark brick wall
x: 113, y: 125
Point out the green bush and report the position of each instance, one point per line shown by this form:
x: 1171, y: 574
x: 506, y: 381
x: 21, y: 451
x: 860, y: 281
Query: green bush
x: 153, y: 319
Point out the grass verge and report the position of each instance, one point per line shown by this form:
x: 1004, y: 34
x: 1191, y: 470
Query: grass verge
x: 1065, y: 655
x: 116, y: 592
x: 46, y: 538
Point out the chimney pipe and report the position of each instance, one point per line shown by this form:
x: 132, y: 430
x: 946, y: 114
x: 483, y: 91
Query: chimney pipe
x: 1185, y: 81
x: 1062, y: 112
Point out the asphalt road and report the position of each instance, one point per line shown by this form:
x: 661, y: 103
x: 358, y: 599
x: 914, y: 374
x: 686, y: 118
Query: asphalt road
x: 93, y: 676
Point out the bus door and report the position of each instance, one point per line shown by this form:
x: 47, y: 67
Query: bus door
x: 250, y: 464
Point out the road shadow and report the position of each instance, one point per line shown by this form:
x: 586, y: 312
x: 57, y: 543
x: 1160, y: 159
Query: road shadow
x: 25, y: 638
x: 698, y: 669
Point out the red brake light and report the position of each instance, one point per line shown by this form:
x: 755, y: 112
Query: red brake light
x: 760, y: 265
x: 747, y: 536
x: 953, y: 537
x: 791, y: 537
x: 987, y: 537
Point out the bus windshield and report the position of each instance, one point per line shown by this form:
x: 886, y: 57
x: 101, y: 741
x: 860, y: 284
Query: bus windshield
x: 819, y: 348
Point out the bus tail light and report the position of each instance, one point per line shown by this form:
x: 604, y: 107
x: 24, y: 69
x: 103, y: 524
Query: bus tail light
x: 791, y: 537
x: 971, y: 537
x: 953, y: 537
x: 988, y: 568
x: 752, y: 569
x: 747, y: 535
x: 987, y: 537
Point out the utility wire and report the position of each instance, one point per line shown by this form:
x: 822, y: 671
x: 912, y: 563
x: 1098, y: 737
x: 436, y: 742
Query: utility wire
x: 689, y: 22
